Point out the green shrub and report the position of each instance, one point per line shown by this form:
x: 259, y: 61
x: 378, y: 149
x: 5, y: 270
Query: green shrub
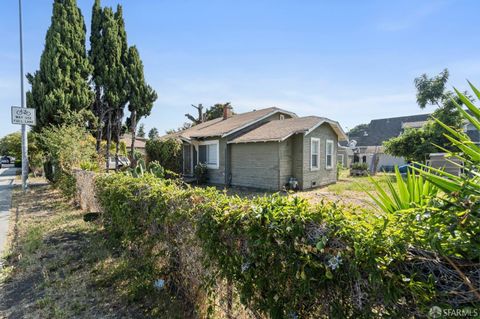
x: 359, y: 166
x: 200, y: 171
x: 285, y: 257
x: 455, y: 227
x: 413, y: 191
x: 167, y: 152
x: 64, y: 148
x: 18, y: 163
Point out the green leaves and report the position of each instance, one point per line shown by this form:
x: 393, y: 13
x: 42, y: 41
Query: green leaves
x: 413, y: 191
x: 60, y: 86
x: 455, y: 230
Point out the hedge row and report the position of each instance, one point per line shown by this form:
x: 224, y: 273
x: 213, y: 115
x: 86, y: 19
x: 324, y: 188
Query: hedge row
x: 284, y: 257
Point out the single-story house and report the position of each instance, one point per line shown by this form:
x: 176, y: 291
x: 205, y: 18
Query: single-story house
x: 264, y: 149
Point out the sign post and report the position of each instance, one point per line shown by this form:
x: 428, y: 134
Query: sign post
x: 24, y: 126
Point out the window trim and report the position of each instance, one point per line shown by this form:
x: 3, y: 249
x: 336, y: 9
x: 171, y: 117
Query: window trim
x: 314, y: 168
x: 282, y: 117
x: 210, y: 142
x: 329, y: 142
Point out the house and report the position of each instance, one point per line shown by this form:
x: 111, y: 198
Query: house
x: 264, y: 149
x: 367, y: 145
x: 140, y: 143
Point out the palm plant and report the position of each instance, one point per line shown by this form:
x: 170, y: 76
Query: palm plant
x: 467, y: 151
x: 455, y: 229
x: 413, y: 191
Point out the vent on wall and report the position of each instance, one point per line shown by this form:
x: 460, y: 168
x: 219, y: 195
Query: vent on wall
x: 314, y: 184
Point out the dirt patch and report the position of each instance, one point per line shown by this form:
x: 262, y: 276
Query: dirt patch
x: 56, y: 262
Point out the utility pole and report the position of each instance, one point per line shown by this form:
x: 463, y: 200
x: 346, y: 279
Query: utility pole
x: 24, y: 127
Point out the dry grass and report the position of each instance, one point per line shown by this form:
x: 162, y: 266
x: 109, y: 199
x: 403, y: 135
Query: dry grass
x: 59, y: 266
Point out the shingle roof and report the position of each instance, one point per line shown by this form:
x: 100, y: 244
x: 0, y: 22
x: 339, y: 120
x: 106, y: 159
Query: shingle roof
x: 381, y: 130
x: 139, y: 141
x: 281, y: 129
x: 220, y: 127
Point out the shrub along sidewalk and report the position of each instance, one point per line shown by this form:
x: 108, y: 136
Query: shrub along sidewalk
x: 59, y: 266
x: 278, y: 256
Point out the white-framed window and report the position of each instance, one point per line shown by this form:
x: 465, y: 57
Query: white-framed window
x: 314, y: 153
x: 282, y: 117
x: 329, y: 154
x: 208, y: 153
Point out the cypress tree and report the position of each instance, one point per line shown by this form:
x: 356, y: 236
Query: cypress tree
x: 121, y: 79
x: 60, y: 86
x: 141, y: 95
x: 97, y: 60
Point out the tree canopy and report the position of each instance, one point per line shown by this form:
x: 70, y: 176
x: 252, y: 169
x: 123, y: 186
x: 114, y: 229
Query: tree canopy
x: 417, y: 144
x: 153, y: 133
x: 61, y: 86
x: 11, y: 145
x: 141, y: 130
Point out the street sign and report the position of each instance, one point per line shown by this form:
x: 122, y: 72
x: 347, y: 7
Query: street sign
x: 22, y: 115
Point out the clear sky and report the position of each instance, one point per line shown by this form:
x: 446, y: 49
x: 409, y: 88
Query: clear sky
x: 351, y: 61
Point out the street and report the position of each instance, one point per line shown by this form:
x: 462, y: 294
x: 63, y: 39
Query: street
x: 7, y: 176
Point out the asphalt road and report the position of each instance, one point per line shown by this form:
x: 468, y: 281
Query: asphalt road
x: 7, y: 176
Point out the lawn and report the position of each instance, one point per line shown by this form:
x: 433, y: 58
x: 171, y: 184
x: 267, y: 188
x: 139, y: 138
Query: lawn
x: 358, y: 184
x: 60, y: 266
x: 348, y: 190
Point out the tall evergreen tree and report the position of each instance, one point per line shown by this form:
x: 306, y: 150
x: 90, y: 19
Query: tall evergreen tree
x: 60, y: 86
x: 141, y: 95
x: 121, y: 78
x: 112, y: 84
x: 153, y: 133
x: 97, y: 59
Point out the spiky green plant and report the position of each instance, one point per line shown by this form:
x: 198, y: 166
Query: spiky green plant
x: 455, y: 229
x: 410, y: 192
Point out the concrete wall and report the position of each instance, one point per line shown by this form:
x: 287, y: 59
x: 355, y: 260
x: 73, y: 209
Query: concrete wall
x: 255, y: 165
x: 85, y: 195
x: 322, y: 176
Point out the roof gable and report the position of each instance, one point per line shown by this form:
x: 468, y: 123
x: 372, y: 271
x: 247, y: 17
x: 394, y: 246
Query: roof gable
x: 381, y: 130
x: 224, y: 127
x: 282, y: 129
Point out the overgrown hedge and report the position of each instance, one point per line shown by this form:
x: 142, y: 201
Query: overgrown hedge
x: 167, y: 152
x: 284, y: 257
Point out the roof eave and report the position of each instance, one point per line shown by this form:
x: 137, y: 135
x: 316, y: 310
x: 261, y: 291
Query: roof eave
x: 293, y: 115
x: 342, y: 136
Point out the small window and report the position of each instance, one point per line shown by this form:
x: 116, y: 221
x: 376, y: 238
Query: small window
x: 364, y: 159
x: 329, y: 154
x: 282, y: 117
x: 208, y: 154
x: 314, y: 153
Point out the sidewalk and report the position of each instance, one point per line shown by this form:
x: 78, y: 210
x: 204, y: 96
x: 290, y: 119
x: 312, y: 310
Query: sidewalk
x: 7, y: 176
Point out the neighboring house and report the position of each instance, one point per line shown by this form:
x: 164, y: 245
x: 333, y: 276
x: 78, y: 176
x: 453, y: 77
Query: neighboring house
x: 140, y: 143
x: 369, y: 142
x: 264, y: 149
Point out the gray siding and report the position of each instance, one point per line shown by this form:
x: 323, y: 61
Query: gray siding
x: 285, y: 151
x: 255, y: 165
x: 297, y: 158
x: 322, y: 176
x: 217, y: 176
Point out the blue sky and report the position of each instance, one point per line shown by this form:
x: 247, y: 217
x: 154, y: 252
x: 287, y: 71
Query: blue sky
x: 351, y: 61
